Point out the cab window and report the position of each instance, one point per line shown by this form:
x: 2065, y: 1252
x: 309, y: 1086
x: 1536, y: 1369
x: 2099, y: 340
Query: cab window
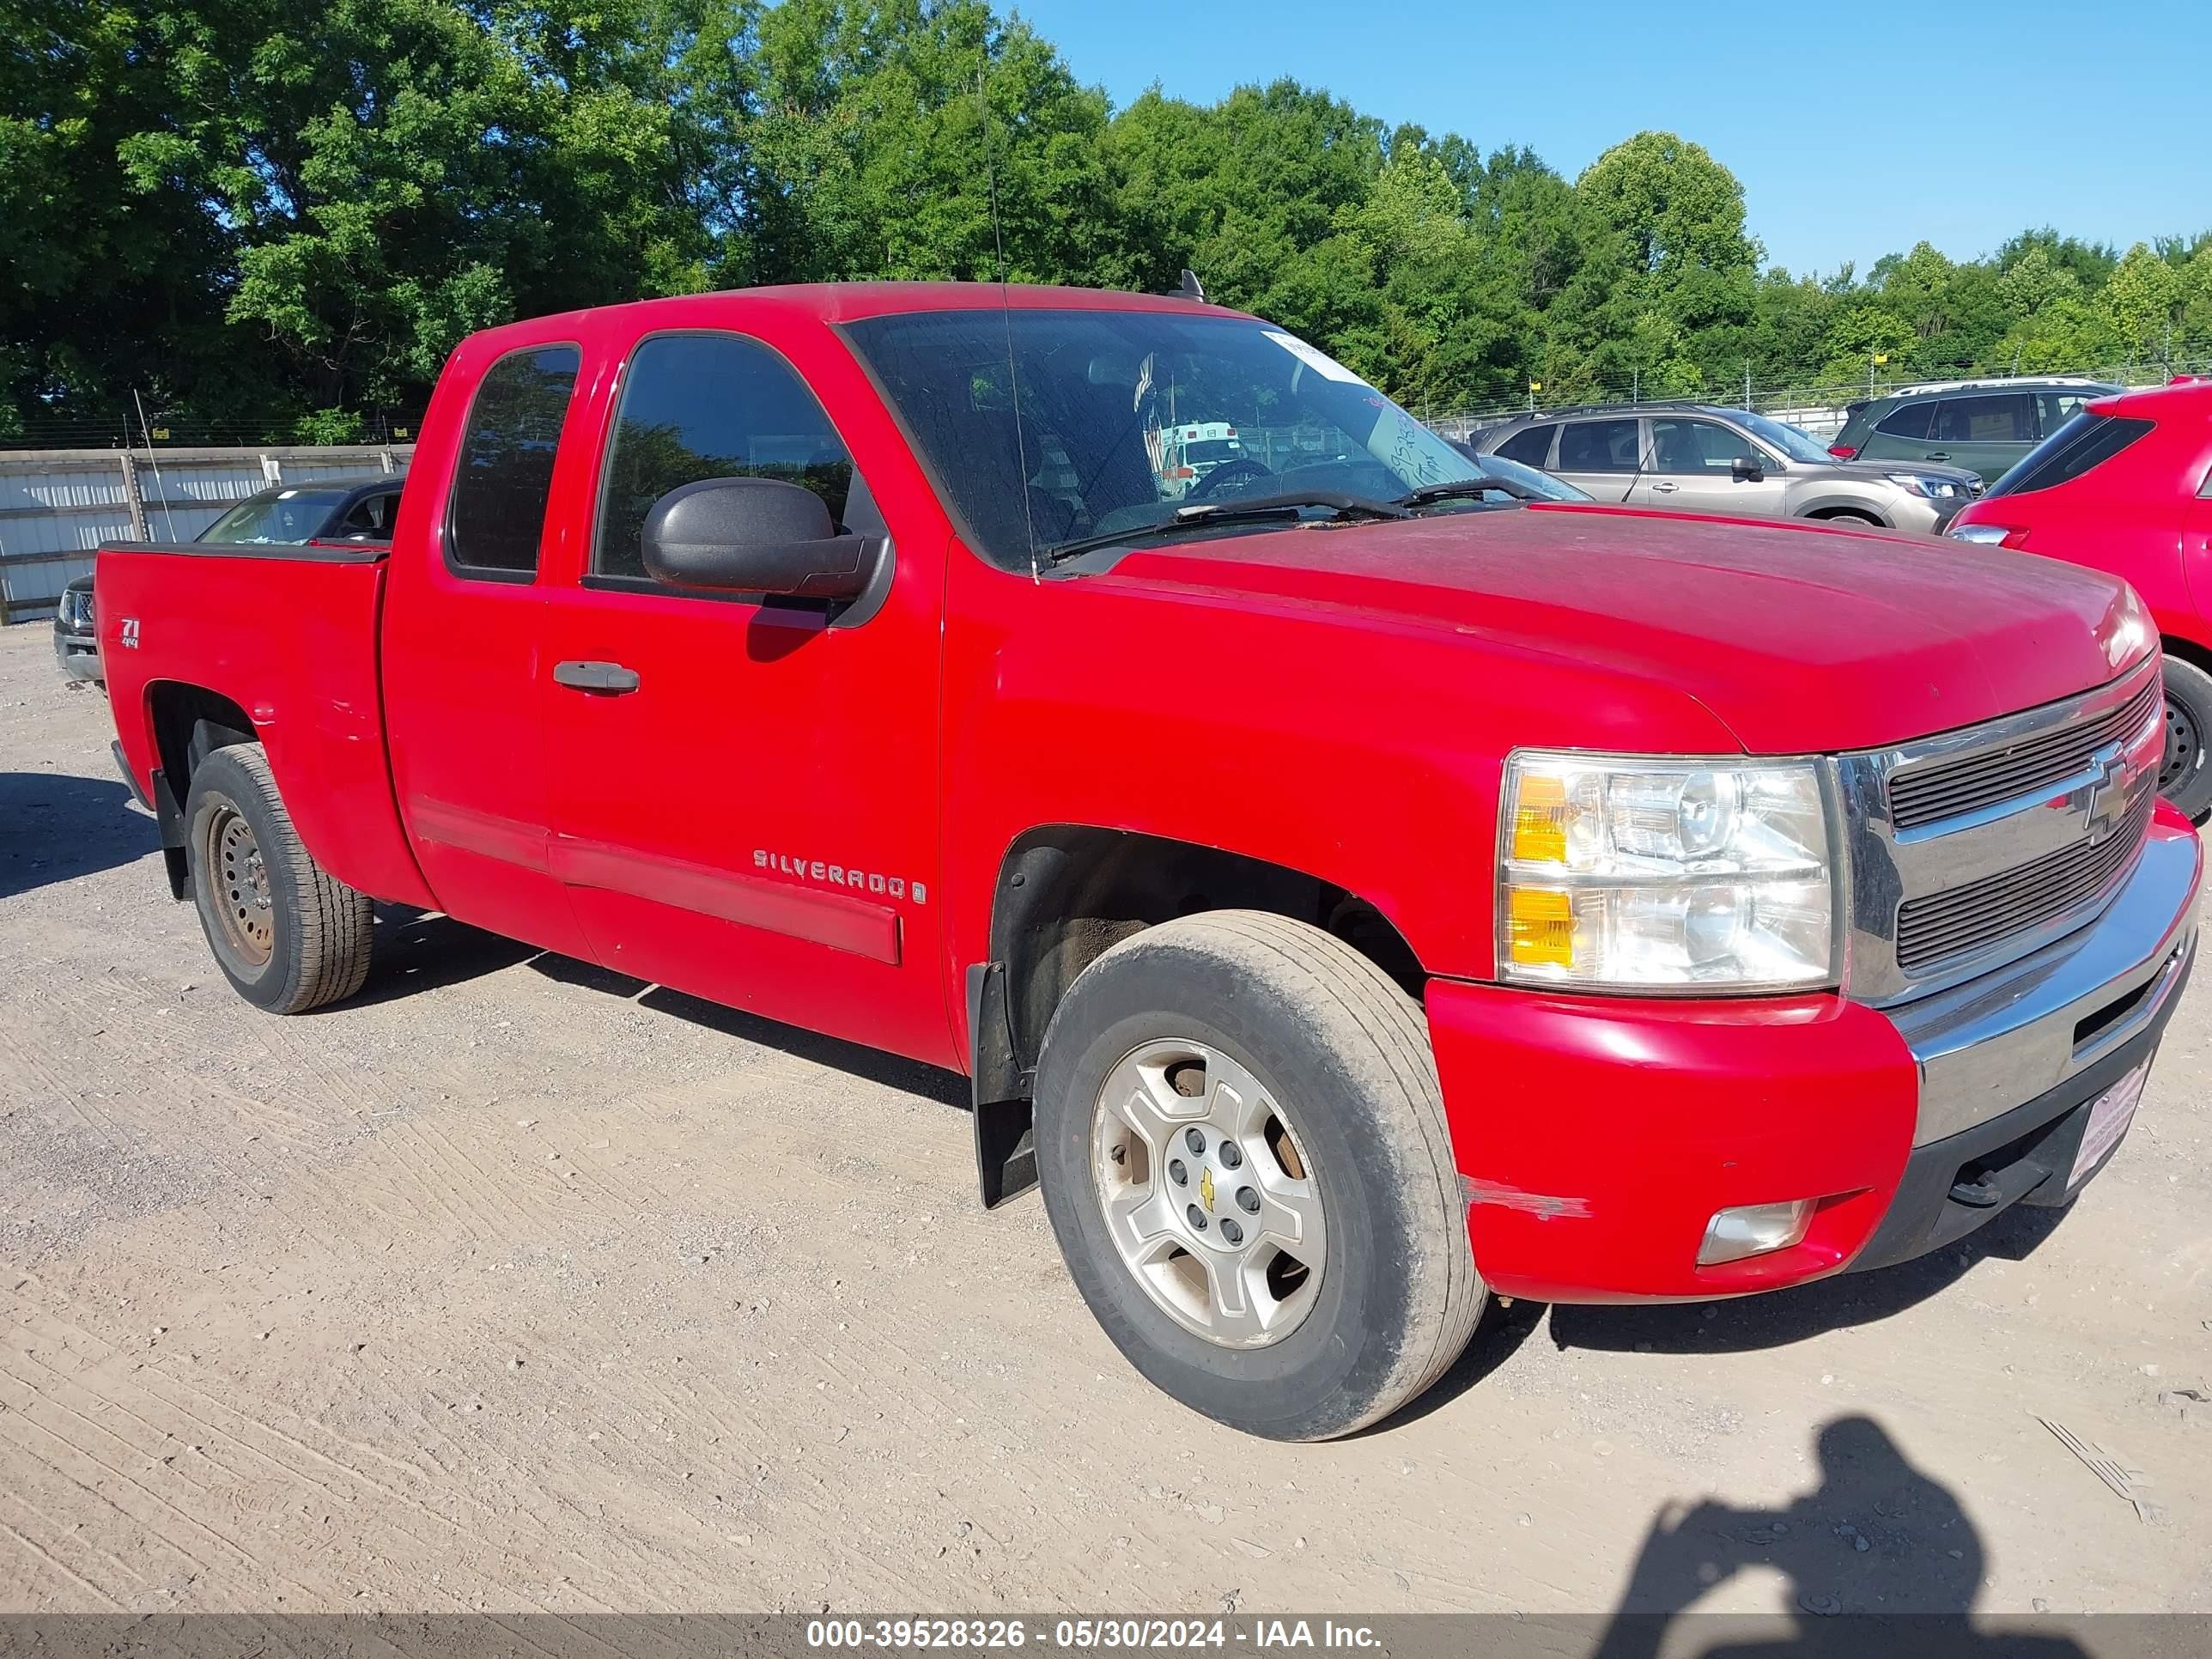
x: 2060, y: 407
x: 1530, y: 448
x: 699, y: 406
x: 2005, y: 417
x: 1910, y: 423
x: 505, y: 473
x: 1700, y: 448
x: 369, y: 519
x: 1598, y: 446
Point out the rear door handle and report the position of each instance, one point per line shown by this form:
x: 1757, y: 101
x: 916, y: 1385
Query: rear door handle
x: 1938, y: 455
x: 1664, y: 488
x: 609, y: 679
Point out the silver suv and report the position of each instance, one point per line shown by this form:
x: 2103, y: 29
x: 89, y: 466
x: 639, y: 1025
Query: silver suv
x: 1698, y: 457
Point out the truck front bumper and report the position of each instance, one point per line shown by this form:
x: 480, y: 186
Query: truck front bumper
x: 1598, y: 1136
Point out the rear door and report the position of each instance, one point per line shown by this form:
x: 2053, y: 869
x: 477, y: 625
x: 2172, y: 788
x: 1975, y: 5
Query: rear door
x: 1599, y: 456
x: 1984, y: 432
x: 1691, y: 468
x: 462, y: 670
x: 750, y: 813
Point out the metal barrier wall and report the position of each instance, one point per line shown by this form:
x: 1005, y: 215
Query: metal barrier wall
x: 57, y: 506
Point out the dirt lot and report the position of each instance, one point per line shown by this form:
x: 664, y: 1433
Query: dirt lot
x: 511, y: 1285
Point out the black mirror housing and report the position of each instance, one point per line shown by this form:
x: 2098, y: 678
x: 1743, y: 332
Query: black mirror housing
x: 1746, y: 469
x: 752, y: 536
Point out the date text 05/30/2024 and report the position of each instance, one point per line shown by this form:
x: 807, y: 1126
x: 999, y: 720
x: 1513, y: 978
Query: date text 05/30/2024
x: 1253, y: 1635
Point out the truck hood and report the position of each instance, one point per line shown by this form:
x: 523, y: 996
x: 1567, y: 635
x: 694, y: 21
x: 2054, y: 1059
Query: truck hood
x: 1799, y: 638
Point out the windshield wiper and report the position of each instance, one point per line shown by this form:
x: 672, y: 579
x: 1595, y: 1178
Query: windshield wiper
x: 1466, y: 489
x: 1205, y: 515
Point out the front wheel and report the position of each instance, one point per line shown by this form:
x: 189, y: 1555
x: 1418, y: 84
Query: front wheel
x: 1242, y: 1143
x: 2184, y: 776
x: 287, y: 936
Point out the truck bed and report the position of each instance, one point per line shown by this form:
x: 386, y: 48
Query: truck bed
x: 289, y: 635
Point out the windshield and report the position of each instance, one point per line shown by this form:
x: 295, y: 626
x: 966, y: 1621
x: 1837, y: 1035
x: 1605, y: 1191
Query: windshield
x: 1539, y: 482
x: 283, y: 515
x: 1097, y: 441
x: 1795, y: 445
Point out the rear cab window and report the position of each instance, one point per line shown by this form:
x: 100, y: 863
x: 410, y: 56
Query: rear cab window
x: 503, y: 476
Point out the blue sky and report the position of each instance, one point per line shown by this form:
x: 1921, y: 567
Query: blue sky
x: 1858, y: 127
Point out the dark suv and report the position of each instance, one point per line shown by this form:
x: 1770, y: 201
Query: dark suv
x: 1984, y: 426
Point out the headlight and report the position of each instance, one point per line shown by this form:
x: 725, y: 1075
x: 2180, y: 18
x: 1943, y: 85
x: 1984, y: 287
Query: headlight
x: 1629, y: 874
x: 1935, y: 490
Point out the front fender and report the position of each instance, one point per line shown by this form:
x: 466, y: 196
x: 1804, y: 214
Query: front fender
x: 1363, y: 751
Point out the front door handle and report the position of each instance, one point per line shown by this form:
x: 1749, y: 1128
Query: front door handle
x: 608, y: 678
x: 1938, y: 455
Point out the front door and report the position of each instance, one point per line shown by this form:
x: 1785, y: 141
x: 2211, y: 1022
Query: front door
x: 745, y: 787
x: 1692, y: 468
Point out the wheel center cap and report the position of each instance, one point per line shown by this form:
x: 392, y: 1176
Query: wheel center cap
x: 1206, y: 1189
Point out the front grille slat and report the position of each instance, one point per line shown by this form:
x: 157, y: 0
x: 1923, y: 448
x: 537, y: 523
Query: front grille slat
x: 1962, y: 920
x: 1950, y: 788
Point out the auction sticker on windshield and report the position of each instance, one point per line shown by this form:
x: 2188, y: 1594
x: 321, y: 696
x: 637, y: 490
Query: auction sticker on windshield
x: 1320, y: 361
x: 2109, y: 1118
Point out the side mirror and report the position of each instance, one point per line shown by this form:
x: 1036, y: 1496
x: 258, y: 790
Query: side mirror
x: 1746, y: 469
x: 752, y: 536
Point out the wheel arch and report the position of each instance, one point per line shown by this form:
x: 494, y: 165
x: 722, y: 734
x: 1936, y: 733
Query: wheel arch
x: 185, y: 722
x: 2193, y: 652
x: 1067, y: 893
x: 1830, y: 507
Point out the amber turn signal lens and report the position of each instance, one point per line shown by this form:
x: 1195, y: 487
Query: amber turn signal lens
x: 1540, y: 927
x: 1540, y: 820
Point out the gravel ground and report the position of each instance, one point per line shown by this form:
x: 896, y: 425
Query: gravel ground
x: 513, y: 1284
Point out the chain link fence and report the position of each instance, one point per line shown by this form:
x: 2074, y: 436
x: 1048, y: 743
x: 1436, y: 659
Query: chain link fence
x: 1818, y: 405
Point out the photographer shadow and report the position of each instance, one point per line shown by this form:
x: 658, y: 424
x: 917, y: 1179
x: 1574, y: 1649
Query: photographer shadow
x: 1881, y: 1557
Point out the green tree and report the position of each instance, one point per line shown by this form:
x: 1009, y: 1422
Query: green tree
x: 893, y: 138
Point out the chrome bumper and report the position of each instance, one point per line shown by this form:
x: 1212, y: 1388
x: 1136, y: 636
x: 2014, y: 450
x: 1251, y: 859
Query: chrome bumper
x: 1988, y: 1045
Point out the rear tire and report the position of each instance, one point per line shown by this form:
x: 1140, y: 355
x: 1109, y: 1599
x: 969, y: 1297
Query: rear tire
x: 2185, y: 776
x: 287, y: 936
x: 1149, y: 1060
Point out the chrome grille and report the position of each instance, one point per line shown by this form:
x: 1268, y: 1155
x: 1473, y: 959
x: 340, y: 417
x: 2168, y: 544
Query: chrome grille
x: 1961, y: 921
x: 1951, y: 788
x: 1975, y: 847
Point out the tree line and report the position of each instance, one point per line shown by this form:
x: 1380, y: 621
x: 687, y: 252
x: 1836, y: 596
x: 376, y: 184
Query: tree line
x: 274, y: 219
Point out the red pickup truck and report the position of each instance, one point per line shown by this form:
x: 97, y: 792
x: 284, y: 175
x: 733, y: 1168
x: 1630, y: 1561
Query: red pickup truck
x: 1353, y: 889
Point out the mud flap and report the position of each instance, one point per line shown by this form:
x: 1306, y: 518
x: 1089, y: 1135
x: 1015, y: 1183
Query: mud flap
x: 1005, y: 1138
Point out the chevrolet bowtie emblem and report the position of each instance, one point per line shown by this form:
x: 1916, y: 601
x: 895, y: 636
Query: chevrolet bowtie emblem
x: 2107, y: 792
x: 1206, y: 1189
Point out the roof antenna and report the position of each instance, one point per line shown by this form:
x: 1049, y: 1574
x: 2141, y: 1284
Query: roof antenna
x: 1005, y: 311
x: 159, y: 488
x: 1188, y: 288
